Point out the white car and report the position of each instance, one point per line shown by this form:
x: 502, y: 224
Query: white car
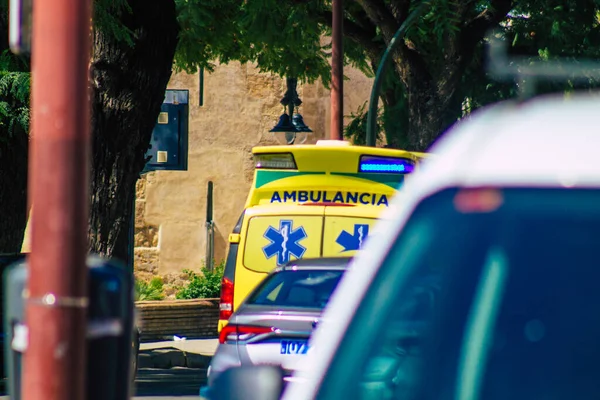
x: 487, y: 283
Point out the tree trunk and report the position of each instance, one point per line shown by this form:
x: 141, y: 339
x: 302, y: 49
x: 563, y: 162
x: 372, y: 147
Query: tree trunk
x: 430, y: 113
x: 434, y: 101
x: 13, y: 189
x: 395, y: 116
x: 128, y: 88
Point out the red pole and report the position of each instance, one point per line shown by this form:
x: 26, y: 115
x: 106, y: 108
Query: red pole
x: 337, y: 71
x: 54, y: 363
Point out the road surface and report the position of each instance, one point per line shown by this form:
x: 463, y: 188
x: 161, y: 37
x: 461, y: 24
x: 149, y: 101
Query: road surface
x: 169, y: 382
x: 163, y: 384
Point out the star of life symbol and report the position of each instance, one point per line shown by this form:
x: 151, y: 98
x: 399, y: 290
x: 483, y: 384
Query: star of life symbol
x: 284, y: 242
x: 351, y: 242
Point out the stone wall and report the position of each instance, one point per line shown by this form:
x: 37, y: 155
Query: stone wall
x: 240, y: 106
x: 192, y: 319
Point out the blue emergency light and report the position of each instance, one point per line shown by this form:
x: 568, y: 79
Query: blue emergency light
x: 385, y: 165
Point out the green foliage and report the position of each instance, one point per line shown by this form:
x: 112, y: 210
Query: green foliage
x: 153, y: 290
x: 206, y: 285
x: 108, y: 16
x: 567, y: 30
x: 15, y: 76
x: 282, y: 37
x: 356, y: 129
x: 285, y: 37
x: 211, y: 30
x: 14, y: 97
x: 436, y: 30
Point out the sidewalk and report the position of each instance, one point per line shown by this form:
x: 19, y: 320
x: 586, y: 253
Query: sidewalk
x: 182, y: 353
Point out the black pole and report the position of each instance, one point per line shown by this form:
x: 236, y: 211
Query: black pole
x: 209, y: 227
x: 131, y: 235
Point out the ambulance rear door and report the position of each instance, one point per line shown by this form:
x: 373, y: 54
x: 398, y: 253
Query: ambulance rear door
x: 284, y: 234
x: 346, y: 228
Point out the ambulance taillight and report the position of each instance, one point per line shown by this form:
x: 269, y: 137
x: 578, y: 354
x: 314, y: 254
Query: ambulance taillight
x: 226, y: 302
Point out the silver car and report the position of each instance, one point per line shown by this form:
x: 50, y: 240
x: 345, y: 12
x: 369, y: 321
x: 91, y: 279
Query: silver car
x: 274, y: 323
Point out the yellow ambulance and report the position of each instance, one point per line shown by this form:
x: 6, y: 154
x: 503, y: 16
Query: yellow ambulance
x: 308, y: 201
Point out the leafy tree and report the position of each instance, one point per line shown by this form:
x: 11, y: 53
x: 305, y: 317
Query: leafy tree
x: 285, y: 37
x: 566, y: 30
x: 133, y: 49
x: 134, y: 43
x: 438, y: 70
x: 14, y: 141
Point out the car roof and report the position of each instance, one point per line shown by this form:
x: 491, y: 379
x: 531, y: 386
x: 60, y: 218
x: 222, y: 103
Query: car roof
x: 513, y: 144
x: 549, y: 141
x: 338, y: 263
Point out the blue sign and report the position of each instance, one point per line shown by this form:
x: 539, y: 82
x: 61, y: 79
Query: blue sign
x: 284, y: 242
x: 353, y: 242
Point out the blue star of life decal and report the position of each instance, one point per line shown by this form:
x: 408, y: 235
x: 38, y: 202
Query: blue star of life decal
x: 284, y: 242
x: 351, y: 242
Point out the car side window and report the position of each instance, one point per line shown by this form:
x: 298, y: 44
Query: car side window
x: 394, y: 329
x: 496, y: 305
x: 391, y: 372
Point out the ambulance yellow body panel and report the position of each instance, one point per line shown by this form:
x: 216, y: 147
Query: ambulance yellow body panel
x: 308, y: 201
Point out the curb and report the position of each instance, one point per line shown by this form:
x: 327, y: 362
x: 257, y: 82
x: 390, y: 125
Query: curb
x: 166, y: 358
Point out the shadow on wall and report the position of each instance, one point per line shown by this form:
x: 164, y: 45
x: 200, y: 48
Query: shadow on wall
x: 220, y: 245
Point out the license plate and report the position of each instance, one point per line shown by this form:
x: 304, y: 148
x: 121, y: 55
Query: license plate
x: 294, y: 347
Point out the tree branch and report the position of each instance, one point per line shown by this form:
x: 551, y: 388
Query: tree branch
x: 359, y: 15
x: 381, y: 16
x: 400, y: 9
x: 471, y: 34
x: 359, y: 34
x: 476, y: 29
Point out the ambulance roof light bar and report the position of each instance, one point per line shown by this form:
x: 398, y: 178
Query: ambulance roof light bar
x: 385, y: 165
x: 275, y: 161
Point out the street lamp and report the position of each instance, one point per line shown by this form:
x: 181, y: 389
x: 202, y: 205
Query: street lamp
x: 291, y: 128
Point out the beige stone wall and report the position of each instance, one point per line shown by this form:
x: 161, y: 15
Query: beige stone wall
x: 240, y: 106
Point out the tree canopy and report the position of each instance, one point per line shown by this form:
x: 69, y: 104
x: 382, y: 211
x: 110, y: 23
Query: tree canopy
x: 441, y: 56
x: 438, y: 73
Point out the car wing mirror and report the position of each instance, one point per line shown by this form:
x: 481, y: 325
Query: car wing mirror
x: 257, y: 382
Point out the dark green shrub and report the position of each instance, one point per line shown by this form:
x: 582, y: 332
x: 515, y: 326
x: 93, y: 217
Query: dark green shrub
x: 206, y: 285
x: 152, y: 290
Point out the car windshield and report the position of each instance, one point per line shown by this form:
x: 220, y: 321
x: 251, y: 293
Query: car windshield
x: 492, y: 303
x: 297, y: 288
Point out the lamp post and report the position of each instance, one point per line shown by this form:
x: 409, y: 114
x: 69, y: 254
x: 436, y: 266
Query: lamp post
x: 337, y: 70
x: 396, y: 40
x: 56, y: 299
x: 291, y: 125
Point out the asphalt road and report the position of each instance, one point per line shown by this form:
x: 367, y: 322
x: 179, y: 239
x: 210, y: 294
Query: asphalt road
x: 162, y: 384
x: 169, y: 383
